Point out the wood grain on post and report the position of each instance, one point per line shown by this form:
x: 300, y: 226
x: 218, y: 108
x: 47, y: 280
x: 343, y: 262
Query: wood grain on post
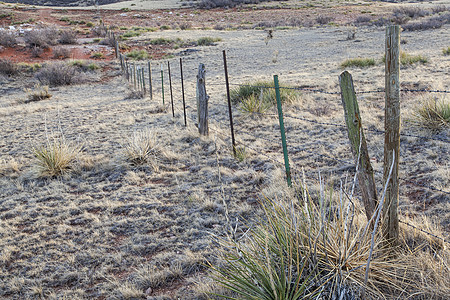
x: 202, y: 101
x: 358, y: 142
x: 392, y: 133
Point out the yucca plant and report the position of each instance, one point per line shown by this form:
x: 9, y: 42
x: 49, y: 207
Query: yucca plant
x: 433, y: 114
x: 141, y: 148
x: 254, y: 104
x: 56, y: 156
x: 311, y: 245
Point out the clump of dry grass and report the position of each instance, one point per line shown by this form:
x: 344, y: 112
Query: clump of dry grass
x: 322, y: 244
x: 39, y: 93
x: 56, y: 156
x: 141, y: 149
x: 433, y: 114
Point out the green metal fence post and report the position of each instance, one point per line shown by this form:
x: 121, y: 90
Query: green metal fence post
x: 283, y: 134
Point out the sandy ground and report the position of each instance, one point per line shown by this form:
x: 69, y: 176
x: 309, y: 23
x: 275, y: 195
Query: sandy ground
x: 110, y: 230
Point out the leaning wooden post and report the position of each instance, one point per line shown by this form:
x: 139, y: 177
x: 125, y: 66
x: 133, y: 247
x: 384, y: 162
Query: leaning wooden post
x: 358, y: 142
x: 202, y: 101
x: 392, y: 133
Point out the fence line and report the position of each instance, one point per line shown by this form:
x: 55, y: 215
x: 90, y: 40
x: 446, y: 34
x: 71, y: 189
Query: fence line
x: 126, y: 69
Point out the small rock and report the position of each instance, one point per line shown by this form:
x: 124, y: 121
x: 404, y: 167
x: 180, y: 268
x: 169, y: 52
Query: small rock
x: 149, y: 291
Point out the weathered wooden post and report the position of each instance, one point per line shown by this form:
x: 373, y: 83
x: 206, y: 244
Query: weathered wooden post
x: 182, y: 91
x: 358, y: 142
x: 392, y: 133
x: 202, y: 101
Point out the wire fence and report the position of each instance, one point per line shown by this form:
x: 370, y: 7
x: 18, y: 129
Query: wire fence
x: 137, y: 77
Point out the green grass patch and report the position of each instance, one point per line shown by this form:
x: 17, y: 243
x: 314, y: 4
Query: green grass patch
x: 446, y: 51
x: 138, y: 54
x: 207, y: 41
x: 358, y: 63
x: 129, y: 34
x: 407, y: 59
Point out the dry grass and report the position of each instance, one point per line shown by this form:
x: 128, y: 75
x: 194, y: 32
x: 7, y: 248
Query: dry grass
x: 322, y: 244
x: 55, y: 157
x: 39, y: 93
x: 433, y: 114
x: 142, y: 148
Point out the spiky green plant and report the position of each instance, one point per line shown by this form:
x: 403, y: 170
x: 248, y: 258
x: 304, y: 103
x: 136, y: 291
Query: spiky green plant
x: 433, y: 114
x: 254, y: 104
x: 56, y: 156
x: 306, y: 245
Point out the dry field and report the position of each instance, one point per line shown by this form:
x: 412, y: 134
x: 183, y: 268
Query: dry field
x: 111, y: 229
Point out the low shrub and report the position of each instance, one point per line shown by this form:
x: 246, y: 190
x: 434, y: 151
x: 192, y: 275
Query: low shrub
x: 8, y: 67
x: 409, y: 59
x: 100, y: 30
x: 41, y: 38
x: 61, y: 52
x: 107, y: 42
x: 207, y: 41
x: 138, y: 54
x: 362, y: 20
x: 7, y: 39
x: 161, y: 41
x: 129, y: 34
x: 36, y: 51
x: 432, y: 23
x: 208, y: 4
x: 39, y: 93
x: 433, y: 114
x: 358, y: 62
x: 84, y: 66
x: 323, y: 20
x: 411, y: 12
x: 68, y: 37
x: 56, y: 74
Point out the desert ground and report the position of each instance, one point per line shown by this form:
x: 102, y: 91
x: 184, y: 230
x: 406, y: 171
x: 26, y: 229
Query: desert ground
x: 110, y: 229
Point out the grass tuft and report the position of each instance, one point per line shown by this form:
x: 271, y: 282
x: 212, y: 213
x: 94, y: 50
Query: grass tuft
x: 446, y: 51
x: 55, y: 157
x: 358, y: 63
x: 260, y: 95
x: 433, y: 114
x: 38, y: 94
x: 141, y: 149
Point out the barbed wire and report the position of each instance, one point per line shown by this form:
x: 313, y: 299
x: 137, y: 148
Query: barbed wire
x: 424, y: 231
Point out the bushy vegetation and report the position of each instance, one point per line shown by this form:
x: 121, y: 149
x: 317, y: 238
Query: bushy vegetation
x: 321, y: 247
x: 141, y: 148
x: 407, y: 59
x: 68, y: 37
x: 207, y: 41
x: 41, y: 38
x: 138, y: 54
x: 208, y: 4
x: 8, y: 67
x: 55, y: 74
x: 358, y: 63
x: 7, y: 39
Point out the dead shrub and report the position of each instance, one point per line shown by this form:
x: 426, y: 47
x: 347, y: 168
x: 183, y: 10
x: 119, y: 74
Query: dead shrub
x: 56, y: 74
x: 323, y: 20
x: 61, y: 53
x: 100, y: 30
x: 8, y: 67
x: 7, y: 39
x: 36, y: 51
x: 41, y: 38
x: 68, y: 37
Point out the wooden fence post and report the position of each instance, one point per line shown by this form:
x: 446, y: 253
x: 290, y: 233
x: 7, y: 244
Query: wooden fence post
x: 150, y: 87
x: 358, y: 142
x: 392, y: 133
x: 202, y: 101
